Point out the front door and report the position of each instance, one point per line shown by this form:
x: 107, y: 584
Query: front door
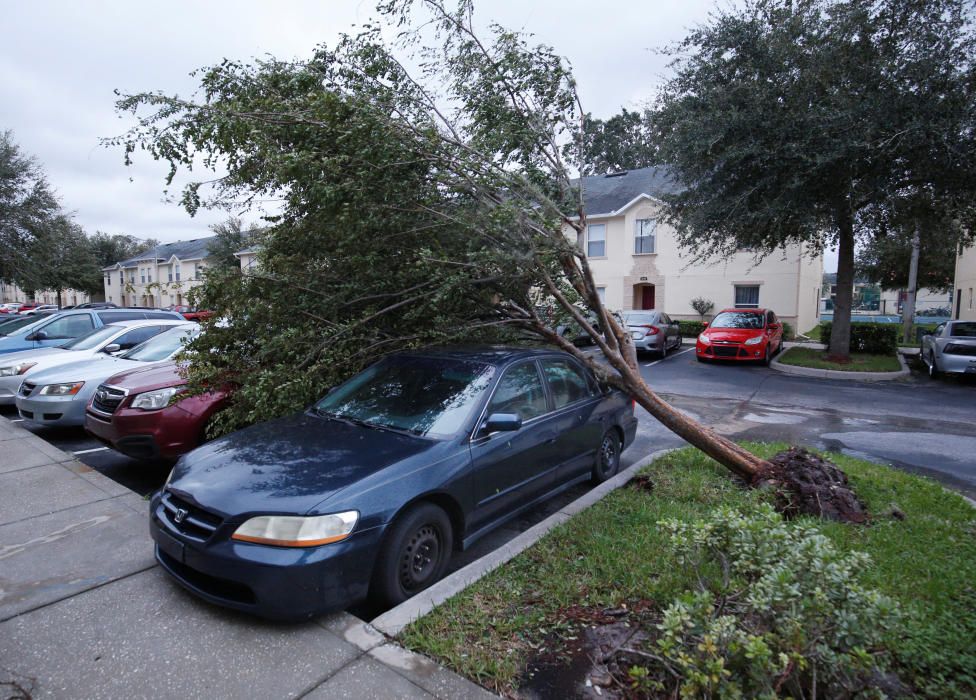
x: 647, y: 297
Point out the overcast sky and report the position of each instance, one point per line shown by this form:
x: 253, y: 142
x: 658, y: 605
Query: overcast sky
x: 61, y: 61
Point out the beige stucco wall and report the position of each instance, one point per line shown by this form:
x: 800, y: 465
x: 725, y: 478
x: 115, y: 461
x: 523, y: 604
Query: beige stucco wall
x: 925, y: 298
x: 964, y: 303
x: 248, y: 261
x: 69, y: 297
x: 787, y: 285
x: 161, y: 292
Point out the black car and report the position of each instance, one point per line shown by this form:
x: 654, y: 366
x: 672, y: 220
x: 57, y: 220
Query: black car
x: 369, y: 491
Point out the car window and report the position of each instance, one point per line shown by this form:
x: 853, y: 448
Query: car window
x: 162, y: 346
x: 159, y: 315
x: 963, y: 330
x: 938, y: 329
x: 520, y: 391
x: 115, y: 316
x: 567, y: 382
x: 92, y: 338
x: 20, y: 323
x: 138, y: 335
x: 637, y: 319
x: 68, y: 327
x: 434, y: 397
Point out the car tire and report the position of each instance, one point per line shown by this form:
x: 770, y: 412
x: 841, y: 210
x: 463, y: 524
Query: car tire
x: 414, y: 554
x: 768, y: 357
x: 607, y: 460
x: 934, y: 372
x: 701, y: 359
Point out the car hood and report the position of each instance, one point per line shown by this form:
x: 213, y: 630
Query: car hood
x: 92, y: 369
x: 735, y: 335
x: 39, y: 355
x: 155, y: 376
x: 288, y: 465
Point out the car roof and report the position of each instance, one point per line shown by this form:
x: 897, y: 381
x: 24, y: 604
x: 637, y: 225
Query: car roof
x: 488, y: 354
x: 147, y: 322
x: 743, y: 311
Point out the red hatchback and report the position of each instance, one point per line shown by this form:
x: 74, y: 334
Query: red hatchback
x: 133, y: 412
x: 741, y: 334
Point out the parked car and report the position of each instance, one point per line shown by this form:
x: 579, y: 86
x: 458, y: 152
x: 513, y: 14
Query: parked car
x: 950, y: 348
x: 58, y: 396
x: 113, y: 339
x: 139, y: 413
x: 67, y: 325
x: 370, y: 490
x: 38, y: 309
x: 574, y: 333
x: 191, y: 313
x: 97, y: 305
x: 10, y: 307
x: 741, y: 334
x: 26, y: 307
x: 653, y: 331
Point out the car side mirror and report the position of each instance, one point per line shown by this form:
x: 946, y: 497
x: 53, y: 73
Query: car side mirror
x: 704, y: 324
x: 39, y: 335
x: 774, y: 326
x: 111, y: 348
x: 505, y: 422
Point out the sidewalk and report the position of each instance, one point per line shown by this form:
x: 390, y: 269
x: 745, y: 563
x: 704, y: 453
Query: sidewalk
x: 85, y: 611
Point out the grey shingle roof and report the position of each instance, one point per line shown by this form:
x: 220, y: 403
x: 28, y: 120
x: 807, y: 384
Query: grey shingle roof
x: 605, y: 194
x: 193, y: 249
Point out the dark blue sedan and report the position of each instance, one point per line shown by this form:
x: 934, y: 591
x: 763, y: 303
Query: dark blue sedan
x: 369, y: 491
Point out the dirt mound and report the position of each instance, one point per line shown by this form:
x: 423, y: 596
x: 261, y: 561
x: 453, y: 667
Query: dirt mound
x: 806, y: 484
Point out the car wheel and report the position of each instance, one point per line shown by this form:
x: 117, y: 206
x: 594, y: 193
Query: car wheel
x: 933, y: 369
x: 414, y: 554
x: 768, y: 357
x: 700, y: 359
x: 607, y: 457
x: 664, y: 349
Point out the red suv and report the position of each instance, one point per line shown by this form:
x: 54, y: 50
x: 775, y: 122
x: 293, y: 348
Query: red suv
x: 741, y: 334
x: 133, y: 412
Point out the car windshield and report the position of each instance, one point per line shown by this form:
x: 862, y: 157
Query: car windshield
x: 426, y: 396
x: 963, y: 330
x: 91, y: 339
x: 738, y: 319
x: 162, y: 346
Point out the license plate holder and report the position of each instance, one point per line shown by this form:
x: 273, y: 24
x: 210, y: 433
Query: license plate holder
x: 172, y: 546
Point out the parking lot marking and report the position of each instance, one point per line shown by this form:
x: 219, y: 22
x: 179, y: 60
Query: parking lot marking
x: 651, y: 364
x: 94, y: 449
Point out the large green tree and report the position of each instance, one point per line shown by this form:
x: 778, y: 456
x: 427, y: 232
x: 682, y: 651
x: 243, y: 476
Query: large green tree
x: 622, y: 142
x: 230, y: 236
x: 59, y: 257
x: 791, y: 121
x: 417, y: 209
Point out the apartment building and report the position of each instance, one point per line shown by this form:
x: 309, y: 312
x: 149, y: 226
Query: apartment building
x: 963, y: 305
x: 638, y: 264
x: 160, y: 277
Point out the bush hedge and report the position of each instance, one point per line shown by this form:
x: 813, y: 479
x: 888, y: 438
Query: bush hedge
x: 873, y: 338
x: 690, y: 329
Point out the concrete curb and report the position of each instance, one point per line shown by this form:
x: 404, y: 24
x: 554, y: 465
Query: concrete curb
x: 837, y: 374
x: 394, y: 620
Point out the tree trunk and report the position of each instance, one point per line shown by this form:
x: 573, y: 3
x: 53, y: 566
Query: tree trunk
x: 908, y: 309
x: 840, y: 333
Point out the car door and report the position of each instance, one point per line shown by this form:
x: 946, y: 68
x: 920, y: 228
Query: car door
x: 776, y: 337
x: 672, y: 337
x: 576, y: 418
x: 511, y: 468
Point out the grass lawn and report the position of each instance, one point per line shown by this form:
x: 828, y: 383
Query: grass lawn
x: 614, y: 554
x: 860, y: 362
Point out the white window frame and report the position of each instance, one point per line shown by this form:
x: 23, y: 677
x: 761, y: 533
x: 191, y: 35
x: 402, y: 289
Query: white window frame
x: 735, y: 296
x: 589, y: 229
x: 602, y: 293
x: 653, y: 236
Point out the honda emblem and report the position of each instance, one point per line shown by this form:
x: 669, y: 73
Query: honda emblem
x: 180, y: 516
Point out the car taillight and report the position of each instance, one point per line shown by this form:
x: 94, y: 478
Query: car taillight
x: 651, y: 330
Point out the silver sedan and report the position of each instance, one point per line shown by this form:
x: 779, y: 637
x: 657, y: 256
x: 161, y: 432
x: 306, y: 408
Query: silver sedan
x: 653, y: 331
x: 58, y: 396
x: 950, y: 348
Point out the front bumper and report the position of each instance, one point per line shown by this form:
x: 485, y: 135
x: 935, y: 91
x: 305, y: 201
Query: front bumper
x: 731, y: 351
x: 52, y: 410
x: 9, y: 386
x: 278, y: 583
x: 166, y: 433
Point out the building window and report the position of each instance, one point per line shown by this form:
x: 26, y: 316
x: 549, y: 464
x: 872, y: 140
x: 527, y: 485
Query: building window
x: 596, y: 240
x: 177, y: 272
x: 149, y: 274
x: 196, y: 271
x: 644, y: 236
x: 747, y: 296
x: 142, y: 274
x: 108, y: 280
x: 121, y: 278
x: 602, y: 293
x: 970, y: 297
x: 170, y: 276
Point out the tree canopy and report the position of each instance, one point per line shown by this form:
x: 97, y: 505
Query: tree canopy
x: 622, y: 142
x: 796, y: 122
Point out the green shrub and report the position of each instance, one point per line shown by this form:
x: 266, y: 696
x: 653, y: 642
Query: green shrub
x: 788, y: 332
x: 690, y: 329
x: 779, y: 612
x: 873, y: 338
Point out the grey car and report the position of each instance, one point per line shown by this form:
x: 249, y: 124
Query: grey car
x: 58, y: 396
x: 653, y: 331
x: 951, y: 348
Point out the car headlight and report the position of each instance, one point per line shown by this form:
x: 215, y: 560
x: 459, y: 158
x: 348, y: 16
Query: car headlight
x: 155, y: 400
x: 297, y: 531
x: 14, y: 370
x: 754, y: 341
x: 704, y: 339
x: 67, y: 389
